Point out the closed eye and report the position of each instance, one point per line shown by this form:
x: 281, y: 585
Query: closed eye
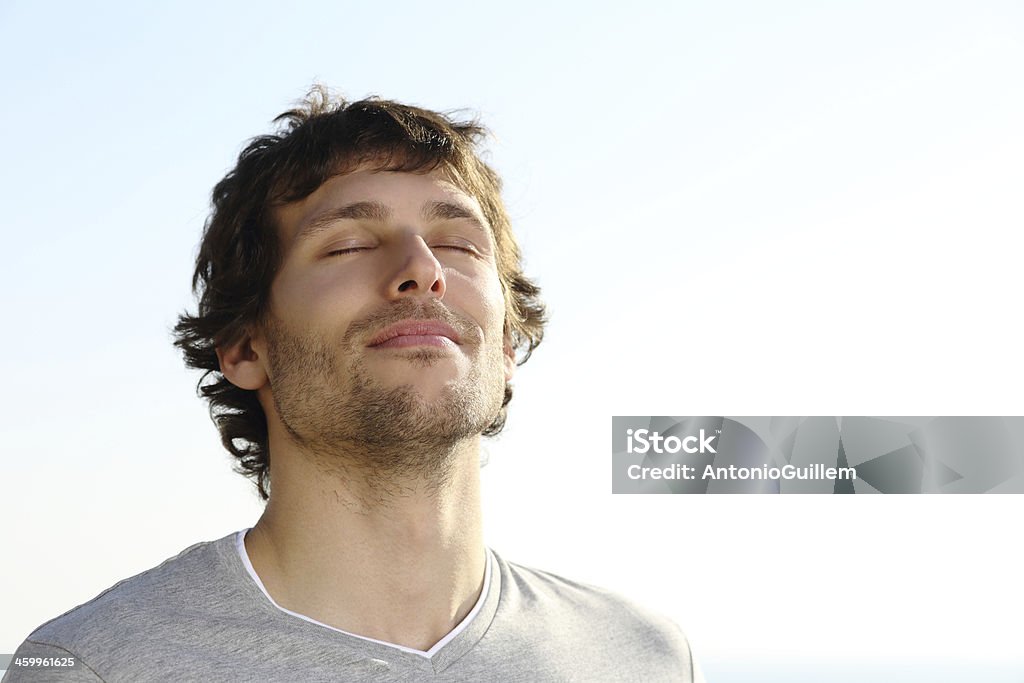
x: 346, y: 250
x: 467, y: 248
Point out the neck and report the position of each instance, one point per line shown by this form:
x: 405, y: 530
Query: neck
x: 400, y: 560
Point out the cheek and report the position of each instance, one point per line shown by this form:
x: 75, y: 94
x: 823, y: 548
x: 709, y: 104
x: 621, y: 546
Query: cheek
x: 480, y: 297
x: 323, y: 295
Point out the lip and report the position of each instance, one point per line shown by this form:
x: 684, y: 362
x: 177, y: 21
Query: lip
x: 415, y: 333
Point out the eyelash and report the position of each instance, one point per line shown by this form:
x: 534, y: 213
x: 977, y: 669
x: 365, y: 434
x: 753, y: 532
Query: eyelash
x: 456, y: 247
x: 346, y: 250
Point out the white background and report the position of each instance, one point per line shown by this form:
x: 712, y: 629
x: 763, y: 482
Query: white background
x: 733, y: 208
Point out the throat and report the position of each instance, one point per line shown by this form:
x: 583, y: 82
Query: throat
x: 395, y: 559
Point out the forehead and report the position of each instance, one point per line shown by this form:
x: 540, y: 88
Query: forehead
x: 404, y: 195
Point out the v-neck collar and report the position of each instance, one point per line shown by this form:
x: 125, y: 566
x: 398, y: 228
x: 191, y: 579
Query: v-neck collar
x: 442, y: 654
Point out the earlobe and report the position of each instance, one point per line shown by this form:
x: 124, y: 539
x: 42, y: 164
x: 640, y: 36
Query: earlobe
x: 510, y: 360
x: 242, y: 365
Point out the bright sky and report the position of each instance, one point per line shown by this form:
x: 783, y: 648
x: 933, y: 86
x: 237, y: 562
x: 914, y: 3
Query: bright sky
x: 734, y: 208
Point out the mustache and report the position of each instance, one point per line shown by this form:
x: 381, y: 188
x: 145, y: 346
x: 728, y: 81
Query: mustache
x: 388, y: 314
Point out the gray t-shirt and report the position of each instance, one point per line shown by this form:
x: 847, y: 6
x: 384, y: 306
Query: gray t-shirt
x: 202, y: 616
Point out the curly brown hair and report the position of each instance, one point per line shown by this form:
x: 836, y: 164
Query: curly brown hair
x: 325, y: 136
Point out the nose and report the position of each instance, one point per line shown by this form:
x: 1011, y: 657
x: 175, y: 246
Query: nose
x: 419, y: 274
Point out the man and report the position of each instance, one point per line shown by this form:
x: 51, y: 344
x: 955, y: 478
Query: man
x: 362, y: 308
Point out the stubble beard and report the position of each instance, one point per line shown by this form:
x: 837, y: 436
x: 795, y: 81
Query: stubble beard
x: 390, y: 438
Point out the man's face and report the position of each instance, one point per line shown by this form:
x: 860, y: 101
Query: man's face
x: 387, y: 316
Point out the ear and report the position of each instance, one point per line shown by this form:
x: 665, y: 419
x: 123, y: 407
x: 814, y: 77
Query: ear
x: 242, y: 362
x: 510, y: 358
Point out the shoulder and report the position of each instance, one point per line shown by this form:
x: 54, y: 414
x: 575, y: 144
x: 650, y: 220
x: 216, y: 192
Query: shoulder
x: 131, y: 607
x: 583, y: 613
x: 544, y: 589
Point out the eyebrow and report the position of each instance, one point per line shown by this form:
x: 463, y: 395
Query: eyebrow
x: 439, y: 211
x: 381, y: 213
x: 359, y: 211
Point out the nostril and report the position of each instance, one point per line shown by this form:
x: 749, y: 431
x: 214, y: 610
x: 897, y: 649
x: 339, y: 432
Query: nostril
x: 408, y: 284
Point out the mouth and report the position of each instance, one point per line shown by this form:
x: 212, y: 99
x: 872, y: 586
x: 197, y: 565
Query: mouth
x: 409, y: 333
